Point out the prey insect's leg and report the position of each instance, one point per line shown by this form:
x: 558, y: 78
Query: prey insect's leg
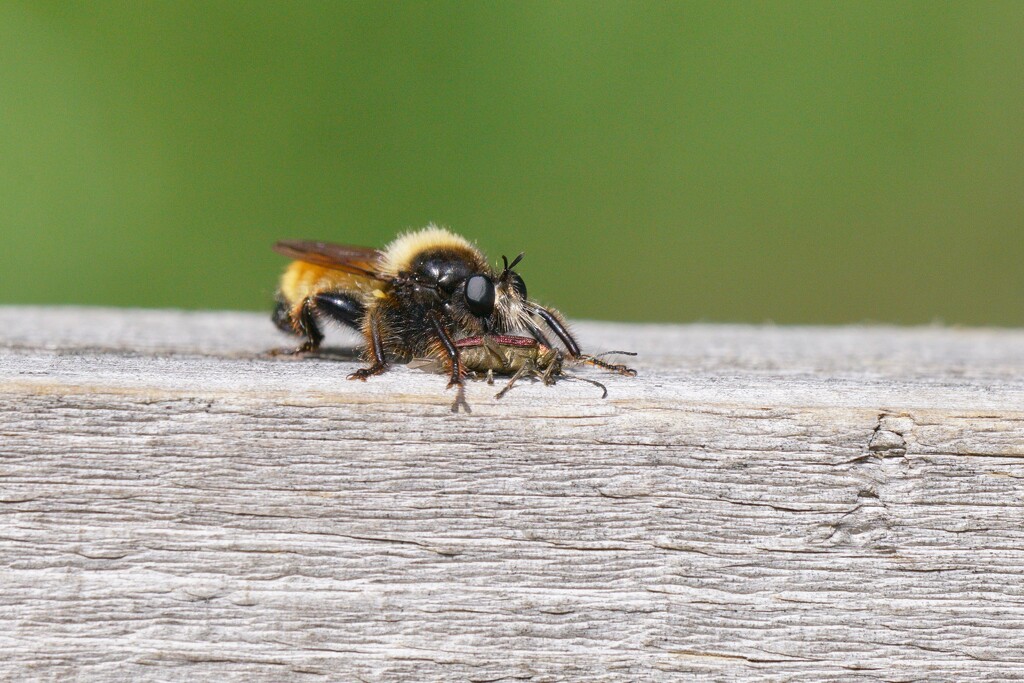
x: 494, y: 349
x: 449, y: 347
x: 613, y: 367
x: 553, y: 370
x: 376, y: 347
x: 604, y: 389
x: 526, y: 369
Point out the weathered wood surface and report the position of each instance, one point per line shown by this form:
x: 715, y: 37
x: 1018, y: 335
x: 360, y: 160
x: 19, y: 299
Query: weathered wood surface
x: 760, y: 503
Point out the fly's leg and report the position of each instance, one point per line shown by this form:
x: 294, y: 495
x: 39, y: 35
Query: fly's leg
x: 449, y: 348
x: 341, y: 307
x: 375, y: 345
x: 338, y: 306
x: 304, y: 325
x: 556, y: 325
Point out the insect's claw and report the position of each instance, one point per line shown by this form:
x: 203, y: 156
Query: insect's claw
x: 364, y: 373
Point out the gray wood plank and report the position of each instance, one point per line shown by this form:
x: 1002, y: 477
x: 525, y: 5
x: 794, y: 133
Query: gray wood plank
x: 760, y: 503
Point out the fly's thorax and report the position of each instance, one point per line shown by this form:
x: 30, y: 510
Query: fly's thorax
x: 444, y: 269
x: 401, y: 254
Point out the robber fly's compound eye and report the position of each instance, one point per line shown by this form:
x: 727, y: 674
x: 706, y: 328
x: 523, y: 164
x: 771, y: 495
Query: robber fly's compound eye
x: 518, y: 285
x: 480, y: 295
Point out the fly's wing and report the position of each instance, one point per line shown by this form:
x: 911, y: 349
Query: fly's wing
x: 344, y: 257
x: 427, y: 364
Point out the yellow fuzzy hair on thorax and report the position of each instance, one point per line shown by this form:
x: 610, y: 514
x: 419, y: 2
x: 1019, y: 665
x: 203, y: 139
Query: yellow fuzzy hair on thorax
x: 399, y: 254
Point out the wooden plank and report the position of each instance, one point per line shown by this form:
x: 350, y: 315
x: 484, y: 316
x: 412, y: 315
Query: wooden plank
x: 760, y: 503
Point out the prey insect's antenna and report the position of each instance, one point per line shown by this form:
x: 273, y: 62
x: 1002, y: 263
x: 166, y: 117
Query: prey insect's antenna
x: 615, y: 353
x: 532, y: 370
x: 604, y: 389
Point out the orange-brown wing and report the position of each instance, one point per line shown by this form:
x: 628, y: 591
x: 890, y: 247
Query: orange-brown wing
x: 350, y: 259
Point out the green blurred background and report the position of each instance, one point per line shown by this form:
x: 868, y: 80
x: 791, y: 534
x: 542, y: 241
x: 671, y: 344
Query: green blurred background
x: 788, y: 161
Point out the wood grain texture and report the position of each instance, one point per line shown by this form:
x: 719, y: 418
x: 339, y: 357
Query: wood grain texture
x: 761, y: 503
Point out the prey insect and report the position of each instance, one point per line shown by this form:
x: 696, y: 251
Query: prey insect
x: 526, y: 357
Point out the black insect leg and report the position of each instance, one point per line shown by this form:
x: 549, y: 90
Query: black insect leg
x: 305, y: 326
x: 558, y: 327
x: 308, y: 327
x: 536, y: 333
x: 449, y: 347
x: 342, y: 308
x: 376, y: 347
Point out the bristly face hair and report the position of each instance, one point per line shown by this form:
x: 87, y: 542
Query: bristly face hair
x: 511, y: 301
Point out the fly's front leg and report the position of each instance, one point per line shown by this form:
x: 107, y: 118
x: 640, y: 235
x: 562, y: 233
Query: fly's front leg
x: 535, y: 332
x: 372, y: 332
x: 449, y: 348
x: 556, y: 325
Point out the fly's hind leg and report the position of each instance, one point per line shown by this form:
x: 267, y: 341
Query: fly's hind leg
x: 337, y: 306
x: 304, y: 325
x: 341, y: 307
x: 307, y: 325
